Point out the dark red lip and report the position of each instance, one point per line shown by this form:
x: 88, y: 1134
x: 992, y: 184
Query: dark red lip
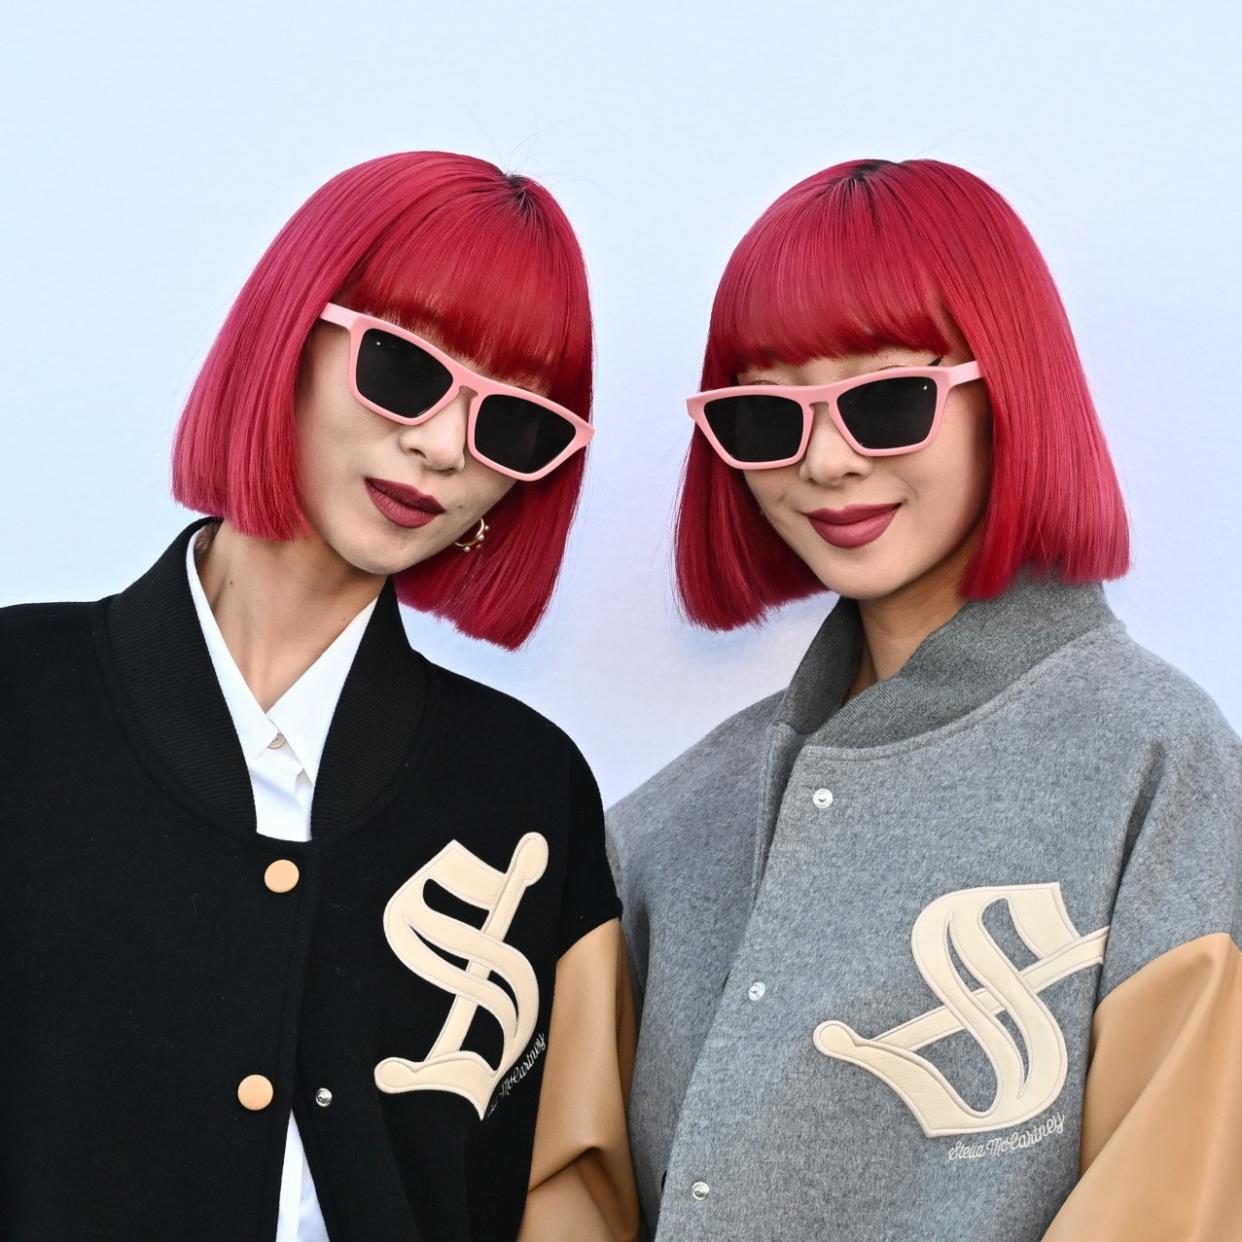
x: 850, y: 514
x: 407, y: 495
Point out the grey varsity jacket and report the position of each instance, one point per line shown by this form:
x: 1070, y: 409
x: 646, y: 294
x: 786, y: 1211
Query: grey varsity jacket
x: 957, y: 959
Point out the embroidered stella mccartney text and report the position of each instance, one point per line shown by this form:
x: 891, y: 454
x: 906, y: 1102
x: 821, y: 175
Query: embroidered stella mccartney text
x: 1022, y: 1091
x: 1003, y: 1144
x: 415, y: 931
x: 518, y: 1072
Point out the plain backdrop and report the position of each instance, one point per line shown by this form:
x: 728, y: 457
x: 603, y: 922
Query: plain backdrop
x: 151, y: 152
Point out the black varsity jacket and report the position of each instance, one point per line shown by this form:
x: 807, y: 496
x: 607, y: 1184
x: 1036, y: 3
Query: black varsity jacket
x: 172, y: 983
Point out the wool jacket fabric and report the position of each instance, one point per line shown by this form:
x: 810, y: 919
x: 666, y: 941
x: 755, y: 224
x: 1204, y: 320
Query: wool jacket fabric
x: 957, y: 958
x: 172, y: 982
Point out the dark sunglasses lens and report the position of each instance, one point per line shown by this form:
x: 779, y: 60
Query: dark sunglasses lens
x: 756, y: 428
x: 890, y: 413
x: 520, y: 435
x: 399, y: 375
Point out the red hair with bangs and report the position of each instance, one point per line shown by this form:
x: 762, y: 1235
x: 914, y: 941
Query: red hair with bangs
x: 871, y: 253
x: 438, y: 243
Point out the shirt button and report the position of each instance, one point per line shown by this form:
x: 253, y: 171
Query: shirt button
x: 323, y: 1097
x: 700, y: 1190
x: 757, y: 989
x: 822, y: 797
x: 282, y: 875
x: 277, y: 742
x: 255, y: 1092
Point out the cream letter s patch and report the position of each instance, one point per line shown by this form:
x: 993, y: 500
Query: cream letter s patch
x: 415, y: 930
x: 1040, y: 918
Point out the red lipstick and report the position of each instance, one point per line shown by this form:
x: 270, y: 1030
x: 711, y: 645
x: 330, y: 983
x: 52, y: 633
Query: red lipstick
x: 401, y: 504
x: 852, y: 526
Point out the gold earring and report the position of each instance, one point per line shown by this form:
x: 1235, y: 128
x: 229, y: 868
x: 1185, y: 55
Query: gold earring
x: 475, y: 539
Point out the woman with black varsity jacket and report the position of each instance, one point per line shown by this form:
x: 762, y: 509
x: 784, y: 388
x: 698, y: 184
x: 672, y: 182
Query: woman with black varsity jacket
x: 302, y: 936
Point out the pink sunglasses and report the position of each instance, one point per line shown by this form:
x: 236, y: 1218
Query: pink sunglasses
x: 879, y: 413
x: 403, y: 377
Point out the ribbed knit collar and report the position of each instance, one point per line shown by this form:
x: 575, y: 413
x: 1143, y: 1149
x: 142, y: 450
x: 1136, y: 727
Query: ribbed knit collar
x: 984, y: 647
x: 158, y: 667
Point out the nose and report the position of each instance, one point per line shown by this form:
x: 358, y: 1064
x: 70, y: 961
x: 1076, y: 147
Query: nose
x: 441, y: 440
x: 828, y: 454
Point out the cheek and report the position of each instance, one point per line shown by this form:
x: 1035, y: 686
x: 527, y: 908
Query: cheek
x: 973, y: 444
x: 770, y: 487
x: 952, y: 476
x: 482, y: 487
x: 326, y: 410
x: 330, y: 426
x: 333, y: 454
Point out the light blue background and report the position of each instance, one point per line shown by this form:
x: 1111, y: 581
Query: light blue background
x: 151, y: 151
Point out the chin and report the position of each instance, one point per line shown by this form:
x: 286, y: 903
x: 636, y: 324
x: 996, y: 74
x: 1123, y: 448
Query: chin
x: 376, y: 551
x: 858, y: 581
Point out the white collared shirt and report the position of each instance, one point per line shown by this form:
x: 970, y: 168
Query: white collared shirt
x: 283, y: 747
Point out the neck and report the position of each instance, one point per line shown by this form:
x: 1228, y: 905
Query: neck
x: 279, y: 604
x: 895, y: 624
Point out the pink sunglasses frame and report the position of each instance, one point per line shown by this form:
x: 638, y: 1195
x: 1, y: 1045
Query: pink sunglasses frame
x: 477, y: 385
x: 808, y: 395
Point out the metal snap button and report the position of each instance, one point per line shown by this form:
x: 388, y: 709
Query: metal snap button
x: 323, y: 1097
x: 757, y: 989
x: 822, y: 797
x: 700, y: 1190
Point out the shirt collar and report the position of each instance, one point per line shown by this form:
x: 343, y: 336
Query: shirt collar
x: 984, y: 647
x: 304, y: 712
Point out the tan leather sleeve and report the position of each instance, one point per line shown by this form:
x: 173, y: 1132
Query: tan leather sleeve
x: 582, y: 1181
x: 1161, y: 1153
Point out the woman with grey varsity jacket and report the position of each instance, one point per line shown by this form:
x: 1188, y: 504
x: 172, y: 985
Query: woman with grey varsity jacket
x: 941, y: 941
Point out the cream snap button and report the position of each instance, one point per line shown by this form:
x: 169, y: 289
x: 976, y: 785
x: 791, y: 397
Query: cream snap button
x: 255, y: 1092
x: 282, y: 875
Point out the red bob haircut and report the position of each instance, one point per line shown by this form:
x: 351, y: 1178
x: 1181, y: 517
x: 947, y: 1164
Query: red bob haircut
x: 439, y: 243
x: 871, y: 253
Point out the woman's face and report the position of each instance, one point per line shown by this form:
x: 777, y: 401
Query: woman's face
x: 350, y: 455
x: 939, y: 491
